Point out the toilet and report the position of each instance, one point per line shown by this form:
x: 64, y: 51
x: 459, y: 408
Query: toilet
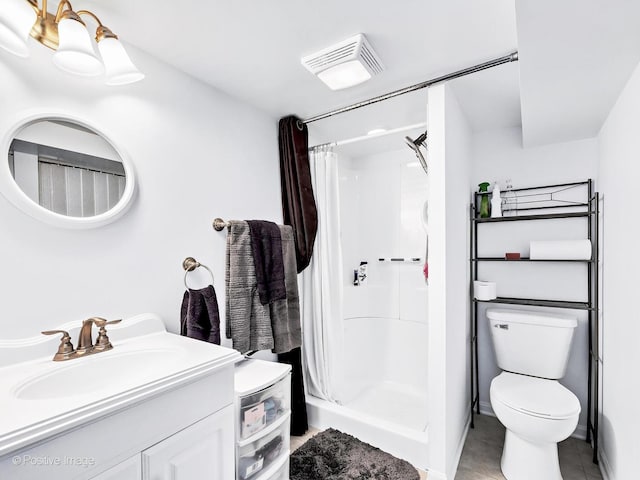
x: 532, y: 350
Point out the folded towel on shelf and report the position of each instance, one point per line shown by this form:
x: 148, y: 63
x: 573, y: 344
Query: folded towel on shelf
x: 285, y: 314
x: 248, y: 322
x: 199, y: 316
x: 266, y: 245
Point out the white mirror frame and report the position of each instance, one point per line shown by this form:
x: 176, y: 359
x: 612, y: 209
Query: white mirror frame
x: 12, y: 192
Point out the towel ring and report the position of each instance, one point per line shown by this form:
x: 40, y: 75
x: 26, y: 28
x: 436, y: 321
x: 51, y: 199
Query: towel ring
x: 190, y: 264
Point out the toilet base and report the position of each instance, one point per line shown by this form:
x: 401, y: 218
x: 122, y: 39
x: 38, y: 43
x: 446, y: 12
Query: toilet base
x: 525, y: 460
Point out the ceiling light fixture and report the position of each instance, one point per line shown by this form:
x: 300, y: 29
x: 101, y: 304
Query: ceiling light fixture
x: 67, y: 34
x: 344, y: 64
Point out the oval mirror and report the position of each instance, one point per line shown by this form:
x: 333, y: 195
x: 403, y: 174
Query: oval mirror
x: 66, y: 173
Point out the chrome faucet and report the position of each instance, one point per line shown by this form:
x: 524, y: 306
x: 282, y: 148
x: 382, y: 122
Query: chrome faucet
x: 85, y: 341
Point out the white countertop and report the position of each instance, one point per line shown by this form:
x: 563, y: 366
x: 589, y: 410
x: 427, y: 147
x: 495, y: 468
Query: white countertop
x: 40, y: 398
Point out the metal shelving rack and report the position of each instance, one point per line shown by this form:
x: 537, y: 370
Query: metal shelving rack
x: 588, y: 209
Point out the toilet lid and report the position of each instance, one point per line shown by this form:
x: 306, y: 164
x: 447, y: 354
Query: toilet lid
x: 535, y: 396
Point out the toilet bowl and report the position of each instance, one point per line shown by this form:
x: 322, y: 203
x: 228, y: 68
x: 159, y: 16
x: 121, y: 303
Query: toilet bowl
x: 532, y: 349
x: 537, y: 414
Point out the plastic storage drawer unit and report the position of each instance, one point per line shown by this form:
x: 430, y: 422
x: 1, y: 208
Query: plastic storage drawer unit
x: 282, y: 472
x: 258, y: 455
x: 263, y: 409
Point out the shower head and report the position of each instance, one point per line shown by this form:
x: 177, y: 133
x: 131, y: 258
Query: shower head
x: 417, y: 142
x: 410, y: 142
x: 415, y: 146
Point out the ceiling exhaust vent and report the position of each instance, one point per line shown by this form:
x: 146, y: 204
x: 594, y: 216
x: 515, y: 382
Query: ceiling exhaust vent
x: 345, y: 64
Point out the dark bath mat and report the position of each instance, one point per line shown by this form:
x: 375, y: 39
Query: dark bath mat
x: 333, y: 455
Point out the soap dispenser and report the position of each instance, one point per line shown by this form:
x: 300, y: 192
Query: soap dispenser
x: 496, y: 202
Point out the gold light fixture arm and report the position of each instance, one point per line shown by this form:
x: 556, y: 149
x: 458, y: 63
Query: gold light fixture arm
x: 61, y: 10
x: 91, y: 14
x: 102, y: 32
x: 45, y: 28
x: 34, y: 4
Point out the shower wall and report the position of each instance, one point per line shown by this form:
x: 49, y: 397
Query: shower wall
x: 382, y: 205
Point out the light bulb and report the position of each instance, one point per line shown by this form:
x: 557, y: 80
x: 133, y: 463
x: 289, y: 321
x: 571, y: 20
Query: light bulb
x: 16, y: 19
x: 119, y: 68
x: 344, y: 75
x: 75, y: 53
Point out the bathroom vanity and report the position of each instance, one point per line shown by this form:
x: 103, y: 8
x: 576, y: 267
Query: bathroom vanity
x: 157, y: 406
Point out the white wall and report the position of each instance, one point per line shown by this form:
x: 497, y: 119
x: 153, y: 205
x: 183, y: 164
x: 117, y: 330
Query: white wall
x: 619, y: 179
x: 449, y: 163
x: 198, y: 154
x: 499, y: 155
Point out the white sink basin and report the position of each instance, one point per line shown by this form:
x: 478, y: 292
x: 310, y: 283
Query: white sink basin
x: 98, y: 372
x: 45, y: 397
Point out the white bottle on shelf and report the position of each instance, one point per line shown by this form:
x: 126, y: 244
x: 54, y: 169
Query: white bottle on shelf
x: 496, y: 202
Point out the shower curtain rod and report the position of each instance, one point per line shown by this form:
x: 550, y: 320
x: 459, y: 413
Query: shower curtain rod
x: 512, y: 57
x: 347, y: 141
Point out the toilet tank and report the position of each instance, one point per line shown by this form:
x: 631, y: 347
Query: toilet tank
x: 532, y: 343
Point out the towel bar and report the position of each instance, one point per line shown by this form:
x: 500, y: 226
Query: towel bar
x: 219, y: 224
x: 190, y: 264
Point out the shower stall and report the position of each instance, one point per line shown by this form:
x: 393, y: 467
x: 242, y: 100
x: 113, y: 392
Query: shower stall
x: 380, y: 378
x: 376, y: 366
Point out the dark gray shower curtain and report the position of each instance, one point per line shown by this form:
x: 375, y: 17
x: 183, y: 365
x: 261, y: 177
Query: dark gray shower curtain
x: 299, y: 211
x: 298, y: 203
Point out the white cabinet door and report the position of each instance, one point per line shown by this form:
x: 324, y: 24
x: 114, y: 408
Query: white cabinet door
x: 205, y: 450
x: 130, y: 469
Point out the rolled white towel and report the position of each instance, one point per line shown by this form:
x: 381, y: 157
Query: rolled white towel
x: 560, y: 249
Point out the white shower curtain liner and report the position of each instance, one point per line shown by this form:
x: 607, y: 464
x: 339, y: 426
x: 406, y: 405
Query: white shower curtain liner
x: 322, y: 282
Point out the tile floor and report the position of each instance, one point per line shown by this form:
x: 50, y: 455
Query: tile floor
x: 481, y: 454
x: 298, y: 441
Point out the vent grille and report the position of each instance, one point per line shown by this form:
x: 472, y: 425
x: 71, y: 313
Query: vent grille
x: 323, y: 61
x: 353, y: 48
x: 369, y: 56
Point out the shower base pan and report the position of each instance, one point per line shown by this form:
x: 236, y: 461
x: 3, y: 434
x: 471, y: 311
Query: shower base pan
x: 402, y: 432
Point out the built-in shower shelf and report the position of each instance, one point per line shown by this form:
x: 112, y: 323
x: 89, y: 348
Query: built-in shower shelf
x: 401, y: 259
x: 539, y: 303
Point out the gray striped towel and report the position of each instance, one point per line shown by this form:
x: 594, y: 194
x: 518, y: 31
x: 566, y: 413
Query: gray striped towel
x: 285, y: 314
x: 248, y: 322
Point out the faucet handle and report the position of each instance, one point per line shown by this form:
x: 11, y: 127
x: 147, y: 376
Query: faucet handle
x: 101, y: 322
x: 65, y: 349
x: 103, y: 342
